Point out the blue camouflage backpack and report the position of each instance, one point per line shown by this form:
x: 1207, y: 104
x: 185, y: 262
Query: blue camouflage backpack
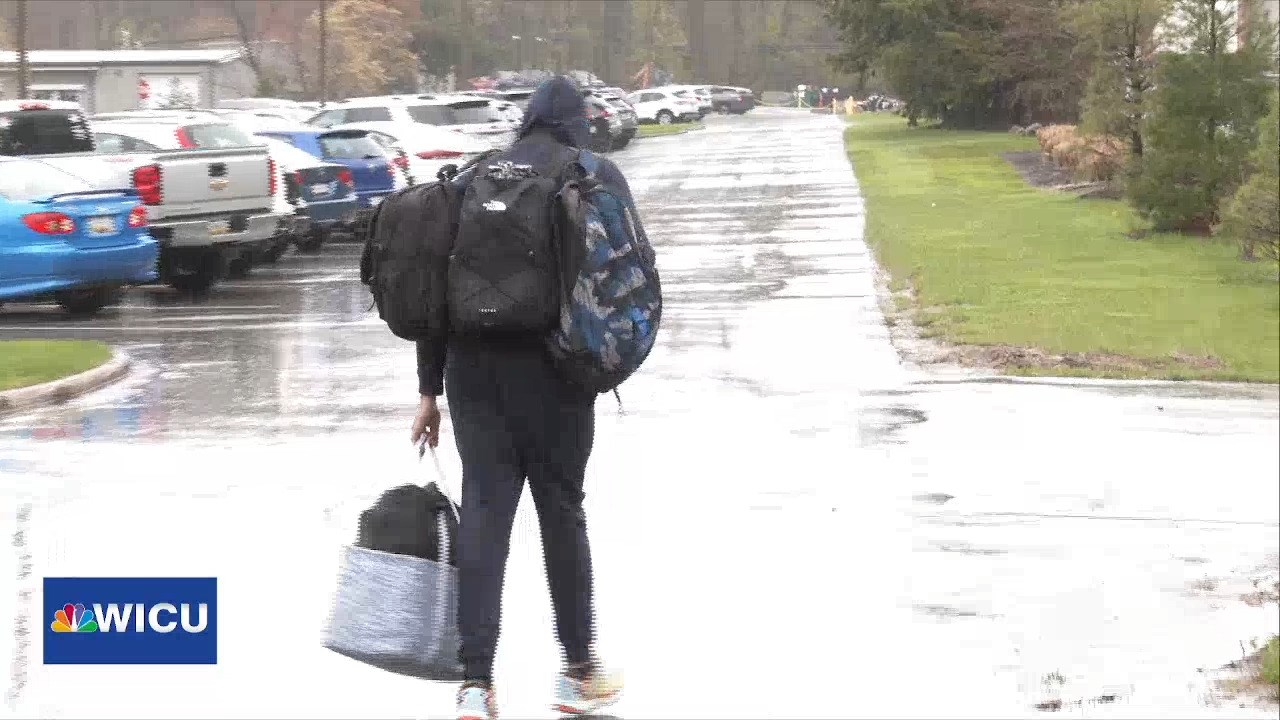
x: 611, y: 296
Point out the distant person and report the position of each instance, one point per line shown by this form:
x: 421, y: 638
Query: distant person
x: 514, y: 418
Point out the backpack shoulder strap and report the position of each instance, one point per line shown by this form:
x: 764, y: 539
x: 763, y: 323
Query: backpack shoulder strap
x: 588, y: 161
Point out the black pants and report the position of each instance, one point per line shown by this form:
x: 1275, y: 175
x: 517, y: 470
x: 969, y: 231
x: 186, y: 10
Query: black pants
x: 514, y: 419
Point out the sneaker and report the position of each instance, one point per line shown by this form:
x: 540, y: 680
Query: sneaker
x: 576, y: 697
x: 476, y: 703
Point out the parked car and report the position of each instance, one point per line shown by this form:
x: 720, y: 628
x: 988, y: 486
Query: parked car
x: 604, y: 124
x: 428, y: 147
x: 701, y: 94
x: 663, y: 106
x: 42, y: 127
x: 210, y: 189
x: 373, y: 172
x: 468, y: 114
x: 288, y: 110
x: 62, y: 239
x: 321, y: 197
x: 618, y: 105
x: 735, y: 100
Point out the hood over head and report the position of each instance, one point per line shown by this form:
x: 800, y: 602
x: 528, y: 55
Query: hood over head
x: 558, y: 107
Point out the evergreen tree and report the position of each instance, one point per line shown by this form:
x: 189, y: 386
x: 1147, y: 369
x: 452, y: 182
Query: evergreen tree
x: 1253, y: 214
x: 1210, y: 94
x: 1117, y: 38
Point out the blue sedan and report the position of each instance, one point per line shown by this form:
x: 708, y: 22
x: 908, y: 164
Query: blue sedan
x: 61, y: 239
x: 372, y: 171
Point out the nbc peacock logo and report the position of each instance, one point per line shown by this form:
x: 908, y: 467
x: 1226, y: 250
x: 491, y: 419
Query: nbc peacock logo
x: 74, y: 619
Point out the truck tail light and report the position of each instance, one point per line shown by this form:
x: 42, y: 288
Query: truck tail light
x: 271, y: 177
x: 184, y: 138
x: 138, y: 217
x: 50, y: 223
x: 149, y: 182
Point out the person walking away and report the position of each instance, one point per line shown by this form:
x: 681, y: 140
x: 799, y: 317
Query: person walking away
x: 515, y: 419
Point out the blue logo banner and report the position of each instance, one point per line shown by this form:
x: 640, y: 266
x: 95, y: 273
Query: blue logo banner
x: 130, y: 621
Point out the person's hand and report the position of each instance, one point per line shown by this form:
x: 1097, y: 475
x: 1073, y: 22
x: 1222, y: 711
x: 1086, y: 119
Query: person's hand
x: 426, y: 424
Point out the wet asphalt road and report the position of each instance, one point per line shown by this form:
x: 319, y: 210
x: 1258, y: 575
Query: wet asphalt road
x: 788, y: 520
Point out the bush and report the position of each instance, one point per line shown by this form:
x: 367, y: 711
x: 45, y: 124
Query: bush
x: 1270, y: 670
x: 1091, y: 158
x: 1252, y: 216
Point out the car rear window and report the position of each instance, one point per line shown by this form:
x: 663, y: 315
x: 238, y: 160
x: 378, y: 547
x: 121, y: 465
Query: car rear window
x: 217, y: 136
x: 465, y: 113
x: 431, y: 114
x: 44, y: 132
x: 349, y: 146
x: 22, y: 180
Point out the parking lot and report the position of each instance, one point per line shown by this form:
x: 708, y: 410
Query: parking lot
x: 788, y: 519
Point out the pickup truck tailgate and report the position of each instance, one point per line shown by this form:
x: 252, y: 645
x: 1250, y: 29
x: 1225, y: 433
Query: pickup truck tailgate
x: 214, y: 181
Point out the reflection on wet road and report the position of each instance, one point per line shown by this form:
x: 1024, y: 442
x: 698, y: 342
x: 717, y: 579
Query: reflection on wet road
x: 787, y: 520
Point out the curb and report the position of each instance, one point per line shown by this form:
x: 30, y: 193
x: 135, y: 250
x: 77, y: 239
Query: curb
x: 59, y: 391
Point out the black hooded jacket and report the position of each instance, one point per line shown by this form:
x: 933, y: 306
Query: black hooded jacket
x: 556, y: 110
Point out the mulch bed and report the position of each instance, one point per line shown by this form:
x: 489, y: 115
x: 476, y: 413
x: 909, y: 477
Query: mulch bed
x: 1041, y: 172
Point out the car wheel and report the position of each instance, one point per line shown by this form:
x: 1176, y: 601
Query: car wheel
x: 272, y: 254
x: 621, y: 142
x: 88, y: 302
x: 191, y: 270
x: 665, y: 117
x: 311, y: 242
x: 239, y: 267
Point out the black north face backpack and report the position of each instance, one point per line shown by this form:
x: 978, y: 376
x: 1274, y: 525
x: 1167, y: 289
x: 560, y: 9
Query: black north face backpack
x: 504, y: 271
x: 405, y: 261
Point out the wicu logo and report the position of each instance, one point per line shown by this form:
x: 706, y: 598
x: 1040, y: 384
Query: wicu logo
x: 114, y: 617
x: 136, y: 621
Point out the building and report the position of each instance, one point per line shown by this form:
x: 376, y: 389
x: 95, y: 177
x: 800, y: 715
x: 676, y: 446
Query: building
x: 114, y: 80
x: 1248, y: 13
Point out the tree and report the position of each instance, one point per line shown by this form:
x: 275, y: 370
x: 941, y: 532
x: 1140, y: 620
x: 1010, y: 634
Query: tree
x: 178, y: 97
x: 662, y: 37
x: 1253, y: 214
x: 968, y: 63
x: 1204, y: 117
x: 1117, y: 38
x: 368, y: 49
x: 244, y: 15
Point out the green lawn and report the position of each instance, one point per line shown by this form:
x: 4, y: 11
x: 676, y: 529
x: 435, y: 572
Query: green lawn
x: 672, y: 129
x: 994, y: 261
x: 30, y: 362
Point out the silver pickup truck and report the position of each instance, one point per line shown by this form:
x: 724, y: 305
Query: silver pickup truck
x: 208, y: 189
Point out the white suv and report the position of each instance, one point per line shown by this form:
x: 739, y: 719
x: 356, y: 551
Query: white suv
x: 663, y: 106
x: 479, y: 117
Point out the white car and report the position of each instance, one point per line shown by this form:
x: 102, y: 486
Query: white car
x: 699, y: 93
x: 479, y: 117
x: 428, y: 147
x: 663, y: 106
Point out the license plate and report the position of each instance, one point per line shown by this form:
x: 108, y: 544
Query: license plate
x: 321, y: 189
x: 219, y: 227
x: 102, y: 226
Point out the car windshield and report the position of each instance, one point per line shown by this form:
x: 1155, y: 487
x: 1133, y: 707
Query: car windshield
x: 349, y: 146
x: 44, y: 132
x: 217, y: 136
x: 34, y: 179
